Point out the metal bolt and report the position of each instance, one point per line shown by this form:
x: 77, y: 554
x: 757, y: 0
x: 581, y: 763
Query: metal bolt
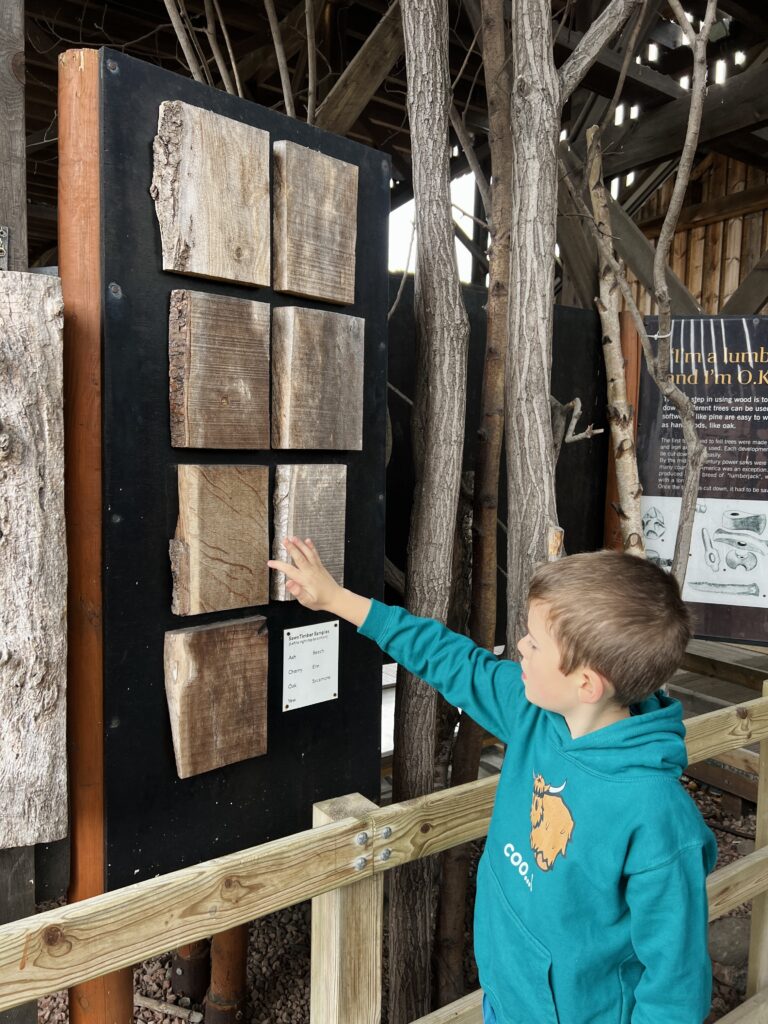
x: 115, y: 290
x: 386, y: 832
x: 361, y: 838
x: 386, y: 853
x: 112, y: 66
x: 360, y: 863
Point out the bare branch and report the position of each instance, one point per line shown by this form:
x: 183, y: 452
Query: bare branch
x: 466, y: 144
x: 405, y: 273
x: 312, y: 61
x: 192, y: 33
x: 483, y: 224
x: 682, y: 20
x: 213, y: 42
x: 591, y: 43
x: 629, y: 56
x: 570, y: 436
x: 282, y: 63
x: 472, y: 45
x: 184, y: 41
x: 232, y: 61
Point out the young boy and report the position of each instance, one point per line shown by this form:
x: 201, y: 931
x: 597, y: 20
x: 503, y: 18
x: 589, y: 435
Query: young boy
x: 591, y: 903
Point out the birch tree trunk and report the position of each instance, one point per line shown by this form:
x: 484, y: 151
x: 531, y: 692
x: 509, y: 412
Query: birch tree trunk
x: 33, y: 756
x: 535, y: 111
x: 442, y: 335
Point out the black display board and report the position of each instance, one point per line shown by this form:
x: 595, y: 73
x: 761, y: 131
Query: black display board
x: 578, y: 370
x: 155, y: 822
x: 721, y: 363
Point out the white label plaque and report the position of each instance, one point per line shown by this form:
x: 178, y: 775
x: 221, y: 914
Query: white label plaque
x: 310, y: 665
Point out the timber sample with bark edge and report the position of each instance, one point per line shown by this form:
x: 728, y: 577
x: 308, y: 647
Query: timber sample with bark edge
x: 216, y: 685
x: 211, y: 191
x: 310, y: 501
x: 33, y: 638
x: 315, y: 224
x: 317, y: 379
x: 219, y: 552
x: 218, y: 353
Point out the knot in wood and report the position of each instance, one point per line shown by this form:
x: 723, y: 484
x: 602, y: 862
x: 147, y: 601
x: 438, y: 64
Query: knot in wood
x: 426, y: 827
x: 18, y: 67
x: 52, y: 935
x: 742, y: 712
x: 5, y: 446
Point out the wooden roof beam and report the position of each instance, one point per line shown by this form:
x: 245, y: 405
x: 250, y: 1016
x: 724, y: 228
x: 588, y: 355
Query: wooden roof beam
x: 740, y: 104
x: 752, y: 294
x: 363, y: 76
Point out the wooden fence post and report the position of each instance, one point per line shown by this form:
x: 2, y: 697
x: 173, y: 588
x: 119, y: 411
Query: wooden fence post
x: 346, y: 934
x: 757, y: 975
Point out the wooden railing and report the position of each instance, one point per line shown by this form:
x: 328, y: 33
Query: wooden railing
x: 340, y: 864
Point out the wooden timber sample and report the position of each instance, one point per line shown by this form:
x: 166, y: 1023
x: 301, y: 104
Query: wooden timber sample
x: 315, y: 224
x: 310, y: 501
x: 211, y: 192
x: 33, y: 629
x: 317, y: 379
x: 221, y: 546
x: 216, y: 685
x: 218, y: 351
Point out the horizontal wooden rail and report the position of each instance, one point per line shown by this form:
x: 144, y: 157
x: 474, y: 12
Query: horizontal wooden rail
x: 69, y: 945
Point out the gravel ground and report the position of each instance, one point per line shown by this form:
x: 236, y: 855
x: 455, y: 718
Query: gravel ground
x: 279, y: 949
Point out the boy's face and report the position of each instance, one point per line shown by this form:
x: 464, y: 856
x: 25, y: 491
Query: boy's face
x: 545, y: 685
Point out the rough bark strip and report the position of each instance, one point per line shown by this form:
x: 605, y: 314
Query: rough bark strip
x: 221, y: 545
x: 33, y: 778
x: 310, y: 501
x: 315, y: 214
x: 442, y: 334
x: 211, y: 190
x: 317, y: 379
x: 216, y: 685
x: 109, y: 998
x: 13, y: 179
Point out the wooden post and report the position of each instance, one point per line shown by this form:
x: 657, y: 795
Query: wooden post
x: 225, y: 1001
x: 108, y: 999
x: 346, y: 934
x: 17, y: 864
x: 757, y: 974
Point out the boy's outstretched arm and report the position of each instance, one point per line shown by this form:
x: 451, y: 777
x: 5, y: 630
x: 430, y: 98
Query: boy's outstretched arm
x: 314, y: 587
x: 468, y: 676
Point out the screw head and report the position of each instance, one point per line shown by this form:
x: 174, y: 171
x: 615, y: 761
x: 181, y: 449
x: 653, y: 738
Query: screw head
x: 386, y: 832
x: 115, y: 290
x: 360, y: 863
x: 361, y: 838
x: 386, y: 853
x: 112, y: 66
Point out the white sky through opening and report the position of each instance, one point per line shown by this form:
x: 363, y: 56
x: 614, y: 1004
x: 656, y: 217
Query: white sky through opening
x: 401, y: 225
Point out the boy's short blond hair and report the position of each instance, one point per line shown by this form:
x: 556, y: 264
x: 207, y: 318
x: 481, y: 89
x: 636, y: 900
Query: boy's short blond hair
x: 616, y: 614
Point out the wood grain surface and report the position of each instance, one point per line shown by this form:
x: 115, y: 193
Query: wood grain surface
x: 33, y: 591
x: 310, y: 501
x: 315, y: 224
x: 218, y: 350
x: 221, y: 546
x: 211, y: 192
x: 216, y: 685
x: 317, y: 379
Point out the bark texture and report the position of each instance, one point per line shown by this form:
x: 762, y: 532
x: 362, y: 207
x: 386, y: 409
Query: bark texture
x: 442, y: 333
x: 33, y: 760
x: 535, y: 109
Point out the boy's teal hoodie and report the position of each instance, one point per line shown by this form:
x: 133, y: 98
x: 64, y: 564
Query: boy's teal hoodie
x: 591, y: 902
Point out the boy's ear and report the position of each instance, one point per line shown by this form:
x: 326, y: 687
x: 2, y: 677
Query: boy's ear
x: 593, y: 687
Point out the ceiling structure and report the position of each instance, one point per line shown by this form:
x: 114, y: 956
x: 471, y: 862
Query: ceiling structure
x: 654, y: 98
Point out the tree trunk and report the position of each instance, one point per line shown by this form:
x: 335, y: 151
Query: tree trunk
x: 621, y: 415
x: 449, y: 952
x: 33, y: 644
x: 442, y: 334
x: 530, y: 464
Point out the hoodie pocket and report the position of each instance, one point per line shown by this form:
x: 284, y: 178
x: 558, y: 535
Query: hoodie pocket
x: 514, y: 966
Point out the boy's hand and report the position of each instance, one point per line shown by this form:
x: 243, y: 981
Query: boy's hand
x: 314, y: 587
x: 308, y: 579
